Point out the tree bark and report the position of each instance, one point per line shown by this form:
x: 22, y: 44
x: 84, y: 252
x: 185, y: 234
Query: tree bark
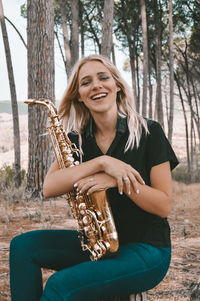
x: 159, y: 106
x: 40, y: 35
x: 15, y: 115
x: 75, y: 31
x: 106, y: 45
x: 68, y: 55
x: 145, y: 56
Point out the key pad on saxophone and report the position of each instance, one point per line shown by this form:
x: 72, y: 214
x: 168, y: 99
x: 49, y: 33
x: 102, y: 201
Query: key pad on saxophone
x: 96, y: 227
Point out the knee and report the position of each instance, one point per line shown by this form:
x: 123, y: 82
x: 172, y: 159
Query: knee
x: 19, y: 244
x: 16, y: 244
x: 53, y: 289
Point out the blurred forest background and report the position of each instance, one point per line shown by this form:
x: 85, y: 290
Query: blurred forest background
x: 160, y: 40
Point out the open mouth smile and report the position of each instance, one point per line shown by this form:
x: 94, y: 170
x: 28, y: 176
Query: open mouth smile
x: 99, y: 96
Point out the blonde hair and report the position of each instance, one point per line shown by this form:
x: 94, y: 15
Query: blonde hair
x: 76, y: 115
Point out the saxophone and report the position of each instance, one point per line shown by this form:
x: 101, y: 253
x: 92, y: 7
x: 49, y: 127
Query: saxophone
x: 96, y: 227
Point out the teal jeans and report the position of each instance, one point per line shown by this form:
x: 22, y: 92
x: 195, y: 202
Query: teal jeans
x: 136, y: 267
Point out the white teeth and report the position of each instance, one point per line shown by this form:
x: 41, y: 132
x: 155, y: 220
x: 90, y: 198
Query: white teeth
x: 99, y: 96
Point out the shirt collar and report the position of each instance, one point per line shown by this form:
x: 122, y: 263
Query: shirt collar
x: 121, y: 126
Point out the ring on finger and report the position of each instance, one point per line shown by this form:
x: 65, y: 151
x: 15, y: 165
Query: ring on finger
x: 125, y: 179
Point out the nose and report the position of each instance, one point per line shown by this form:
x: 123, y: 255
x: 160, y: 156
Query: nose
x: 96, y: 84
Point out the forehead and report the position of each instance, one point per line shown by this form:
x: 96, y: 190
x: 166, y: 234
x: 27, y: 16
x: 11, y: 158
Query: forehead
x: 91, y: 68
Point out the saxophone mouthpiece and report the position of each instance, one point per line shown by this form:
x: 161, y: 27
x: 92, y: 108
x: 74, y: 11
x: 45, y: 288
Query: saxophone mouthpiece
x: 30, y: 101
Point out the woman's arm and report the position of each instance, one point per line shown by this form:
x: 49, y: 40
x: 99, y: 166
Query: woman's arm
x: 60, y: 181
x: 156, y: 198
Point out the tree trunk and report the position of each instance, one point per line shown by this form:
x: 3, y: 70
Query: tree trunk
x: 159, y: 106
x: 106, y: 45
x: 133, y: 75
x: 171, y: 67
x: 113, y: 54
x: 82, y: 30
x: 145, y: 56
x: 15, y: 115
x: 186, y: 123
x: 75, y: 31
x: 40, y: 35
x: 68, y: 56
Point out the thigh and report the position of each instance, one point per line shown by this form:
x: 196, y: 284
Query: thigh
x: 55, y: 249
x: 135, y: 268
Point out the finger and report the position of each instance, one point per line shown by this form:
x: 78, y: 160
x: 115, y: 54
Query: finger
x: 134, y: 183
x: 94, y: 189
x: 127, y: 184
x: 79, y: 185
x: 120, y: 185
x: 86, y: 186
x: 138, y: 177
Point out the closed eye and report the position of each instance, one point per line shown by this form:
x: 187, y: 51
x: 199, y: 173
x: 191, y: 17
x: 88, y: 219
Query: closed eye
x: 85, y: 83
x: 104, y: 78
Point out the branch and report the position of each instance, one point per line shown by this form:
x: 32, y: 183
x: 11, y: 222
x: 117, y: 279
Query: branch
x: 16, y: 31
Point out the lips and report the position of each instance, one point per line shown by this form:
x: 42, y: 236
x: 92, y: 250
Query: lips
x: 99, y: 96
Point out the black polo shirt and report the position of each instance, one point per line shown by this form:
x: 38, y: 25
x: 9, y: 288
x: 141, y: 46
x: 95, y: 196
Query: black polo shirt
x: 133, y: 224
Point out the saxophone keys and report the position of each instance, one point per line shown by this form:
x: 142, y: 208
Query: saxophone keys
x: 107, y: 244
x: 71, y: 159
x: 86, y: 220
x: 82, y: 208
x: 98, y: 213
x: 103, y: 228
x: 97, y: 248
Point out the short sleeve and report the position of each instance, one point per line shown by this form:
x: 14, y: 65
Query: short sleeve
x: 159, y: 150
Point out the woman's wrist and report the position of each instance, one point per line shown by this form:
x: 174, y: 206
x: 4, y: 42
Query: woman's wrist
x: 101, y: 162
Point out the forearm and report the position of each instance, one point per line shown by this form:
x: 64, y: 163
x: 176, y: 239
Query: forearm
x: 61, y: 181
x: 151, y: 200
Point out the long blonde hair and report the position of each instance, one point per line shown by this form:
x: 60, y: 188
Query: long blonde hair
x: 76, y: 115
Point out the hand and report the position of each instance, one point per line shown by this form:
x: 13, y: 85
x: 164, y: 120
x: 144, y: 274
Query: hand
x: 124, y: 174
x: 97, y: 182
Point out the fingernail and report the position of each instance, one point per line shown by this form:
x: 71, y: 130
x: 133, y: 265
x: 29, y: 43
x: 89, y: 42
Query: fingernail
x: 80, y: 191
x: 143, y: 182
x: 137, y: 191
x: 121, y: 192
x: 129, y: 192
x: 75, y: 185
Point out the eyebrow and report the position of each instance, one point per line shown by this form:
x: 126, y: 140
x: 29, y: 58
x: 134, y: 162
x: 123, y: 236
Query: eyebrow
x: 98, y: 73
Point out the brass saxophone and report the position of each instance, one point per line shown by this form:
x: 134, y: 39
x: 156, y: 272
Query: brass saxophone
x: 96, y: 227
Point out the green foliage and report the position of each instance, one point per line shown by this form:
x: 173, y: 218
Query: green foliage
x: 7, y: 175
x: 181, y: 174
x: 23, y: 9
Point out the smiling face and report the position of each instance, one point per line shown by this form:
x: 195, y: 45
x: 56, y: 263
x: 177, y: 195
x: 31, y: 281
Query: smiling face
x: 97, y: 88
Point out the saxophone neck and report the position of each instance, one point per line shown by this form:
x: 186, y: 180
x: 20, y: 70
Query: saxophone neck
x: 46, y: 103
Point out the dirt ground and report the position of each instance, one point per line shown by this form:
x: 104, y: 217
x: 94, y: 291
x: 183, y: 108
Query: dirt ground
x: 184, y: 272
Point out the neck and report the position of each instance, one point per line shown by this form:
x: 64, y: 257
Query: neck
x: 105, y: 124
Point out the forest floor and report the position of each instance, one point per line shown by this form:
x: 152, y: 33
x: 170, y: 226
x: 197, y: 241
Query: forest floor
x: 18, y: 215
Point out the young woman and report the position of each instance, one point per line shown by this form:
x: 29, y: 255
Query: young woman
x: 128, y: 156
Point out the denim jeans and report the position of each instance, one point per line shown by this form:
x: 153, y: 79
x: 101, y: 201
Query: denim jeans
x: 136, y: 267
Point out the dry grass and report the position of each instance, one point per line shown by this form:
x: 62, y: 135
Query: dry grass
x: 21, y: 216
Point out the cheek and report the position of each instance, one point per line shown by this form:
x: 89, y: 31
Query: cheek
x: 82, y: 92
